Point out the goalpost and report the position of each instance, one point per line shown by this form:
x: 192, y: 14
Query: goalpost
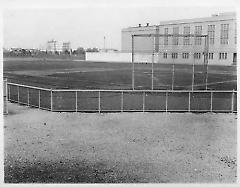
x: 171, y: 49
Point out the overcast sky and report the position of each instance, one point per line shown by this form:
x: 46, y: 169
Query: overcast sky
x: 87, y: 25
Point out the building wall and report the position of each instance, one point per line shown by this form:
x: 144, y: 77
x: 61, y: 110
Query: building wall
x: 144, y: 58
x: 146, y: 45
x: 108, y: 56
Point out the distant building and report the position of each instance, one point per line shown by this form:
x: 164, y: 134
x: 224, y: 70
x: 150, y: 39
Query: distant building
x: 221, y: 29
x: 66, y: 46
x: 55, y: 46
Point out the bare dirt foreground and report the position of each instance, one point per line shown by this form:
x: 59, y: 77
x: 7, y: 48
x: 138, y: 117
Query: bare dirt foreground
x: 45, y: 147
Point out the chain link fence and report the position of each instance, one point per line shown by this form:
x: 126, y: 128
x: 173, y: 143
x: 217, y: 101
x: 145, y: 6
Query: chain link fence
x: 66, y: 100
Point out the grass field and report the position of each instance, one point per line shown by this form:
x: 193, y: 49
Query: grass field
x: 99, y: 75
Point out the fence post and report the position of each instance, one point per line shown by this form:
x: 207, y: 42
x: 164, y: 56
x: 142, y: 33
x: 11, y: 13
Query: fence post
x: 99, y: 102
x: 5, y: 95
x: 189, y: 101
x: 232, y: 107
x: 18, y: 94
x: 39, y: 98
x: 143, y: 101
x: 76, y: 99
x: 9, y: 94
x: 121, y: 101
x: 51, y: 100
x: 166, y: 101
x: 211, y: 102
x: 28, y: 97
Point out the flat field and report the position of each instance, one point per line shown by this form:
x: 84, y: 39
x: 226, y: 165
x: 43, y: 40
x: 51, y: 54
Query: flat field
x: 100, y: 75
x: 71, y: 74
x: 47, y: 147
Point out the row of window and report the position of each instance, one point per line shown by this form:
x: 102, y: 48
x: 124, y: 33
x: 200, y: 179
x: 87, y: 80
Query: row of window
x: 224, y: 35
x: 222, y: 56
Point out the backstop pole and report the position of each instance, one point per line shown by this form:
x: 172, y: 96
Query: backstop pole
x: 173, y: 72
x: 193, y: 75
x: 133, y: 62
x: 206, y: 61
x: 152, y: 62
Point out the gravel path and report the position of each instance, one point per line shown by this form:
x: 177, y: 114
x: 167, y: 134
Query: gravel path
x: 45, y: 147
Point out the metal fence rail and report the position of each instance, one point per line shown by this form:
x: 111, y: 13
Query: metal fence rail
x: 77, y: 100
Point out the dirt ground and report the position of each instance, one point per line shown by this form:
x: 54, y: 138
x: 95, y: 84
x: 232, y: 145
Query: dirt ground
x: 45, y: 147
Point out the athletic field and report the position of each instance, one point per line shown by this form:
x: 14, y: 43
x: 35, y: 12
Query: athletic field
x: 62, y: 74
x: 100, y: 75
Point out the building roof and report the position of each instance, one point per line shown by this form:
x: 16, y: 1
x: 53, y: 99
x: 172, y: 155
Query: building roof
x: 215, y: 17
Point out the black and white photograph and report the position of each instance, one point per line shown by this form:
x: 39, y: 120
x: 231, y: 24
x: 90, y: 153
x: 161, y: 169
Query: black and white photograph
x: 119, y: 92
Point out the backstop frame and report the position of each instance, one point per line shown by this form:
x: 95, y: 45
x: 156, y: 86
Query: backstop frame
x: 205, y: 53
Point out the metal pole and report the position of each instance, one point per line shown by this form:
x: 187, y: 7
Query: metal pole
x: 39, y: 98
x: 189, y: 102
x: 206, y: 80
x: 51, y: 100
x: 28, y: 97
x: 99, y: 102
x: 143, y: 101
x: 76, y: 99
x: 206, y: 60
x: 153, y: 61
x: 121, y: 101
x: 166, y: 101
x: 152, y: 68
x: 5, y: 97
x: 232, y: 107
x: 9, y: 97
x: 173, y: 72
x: 18, y: 93
x: 193, y: 72
x: 133, y: 62
x: 211, y: 102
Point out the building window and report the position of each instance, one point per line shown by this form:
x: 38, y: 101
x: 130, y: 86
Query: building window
x: 164, y: 55
x: 211, y: 34
x: 185, y: 55
x: 222, y: 56
x: 210, y: 56
x: 186, y: 39
x: 198, y: 31
x: 174, y: 55
x: 197, y: 55
x: 224, y: 34
x: 175, y: 38
x: 166, y: 37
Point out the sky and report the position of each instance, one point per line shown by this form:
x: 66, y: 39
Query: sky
x: 85, y: 25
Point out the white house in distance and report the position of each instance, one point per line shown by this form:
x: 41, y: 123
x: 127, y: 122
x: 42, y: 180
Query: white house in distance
x: 221, y: 29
